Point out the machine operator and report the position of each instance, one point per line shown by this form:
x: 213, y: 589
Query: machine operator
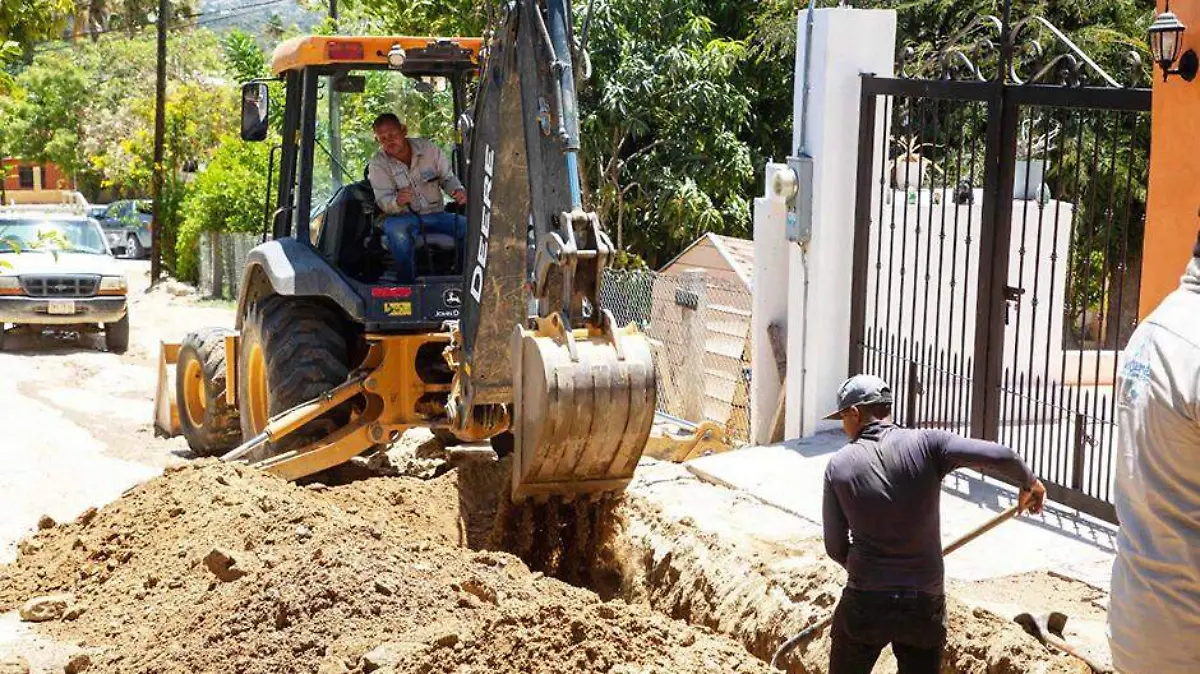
x: 408, y: 177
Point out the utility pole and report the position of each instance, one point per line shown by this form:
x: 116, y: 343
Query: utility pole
x: 335, y: 115
x: 160, y: 124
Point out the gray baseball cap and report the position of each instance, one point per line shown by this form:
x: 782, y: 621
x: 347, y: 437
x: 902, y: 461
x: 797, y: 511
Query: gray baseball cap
x: 861, y: 389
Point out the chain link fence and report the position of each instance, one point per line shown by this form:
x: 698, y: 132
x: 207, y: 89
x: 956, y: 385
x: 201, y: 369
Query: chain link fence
x: 698, y: 326
x: 699, y: 330
x: 221, y: 259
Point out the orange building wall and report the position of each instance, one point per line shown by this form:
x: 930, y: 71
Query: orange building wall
x: 53, y: 178
x: 1173, y: 207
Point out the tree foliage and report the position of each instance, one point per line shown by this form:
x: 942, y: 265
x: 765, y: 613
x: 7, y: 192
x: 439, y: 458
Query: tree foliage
x: 41, y: 119
x: 661, y: 125
x: 25, y: 22
x: 227, y: 196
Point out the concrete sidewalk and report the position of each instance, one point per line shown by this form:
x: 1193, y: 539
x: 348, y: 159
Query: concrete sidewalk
x: 790, y: 476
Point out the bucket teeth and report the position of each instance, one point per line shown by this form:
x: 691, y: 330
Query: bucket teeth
x: 584, y: 405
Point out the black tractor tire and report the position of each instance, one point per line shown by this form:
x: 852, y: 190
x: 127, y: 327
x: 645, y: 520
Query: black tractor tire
x: 215, y: 428
x: 116, y: 335
x: 134, y: 248
x: 305, y: 353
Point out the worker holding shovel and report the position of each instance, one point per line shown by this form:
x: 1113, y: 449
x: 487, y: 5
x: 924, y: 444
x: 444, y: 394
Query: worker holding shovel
x: 883, y: 523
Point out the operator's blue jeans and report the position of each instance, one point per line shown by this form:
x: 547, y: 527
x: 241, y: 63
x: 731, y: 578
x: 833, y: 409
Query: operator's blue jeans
x: 400, y: 231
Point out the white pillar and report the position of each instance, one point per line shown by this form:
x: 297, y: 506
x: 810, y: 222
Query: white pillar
x: 846, y: 43
x: 770, y: 304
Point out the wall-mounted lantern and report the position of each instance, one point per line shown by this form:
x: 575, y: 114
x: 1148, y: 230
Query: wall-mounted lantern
x: 1166, y: 37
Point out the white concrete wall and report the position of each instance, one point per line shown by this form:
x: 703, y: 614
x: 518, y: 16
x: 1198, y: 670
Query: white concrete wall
x: 846, y: 43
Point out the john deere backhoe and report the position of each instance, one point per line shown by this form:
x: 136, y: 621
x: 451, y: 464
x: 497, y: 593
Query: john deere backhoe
x: 501, y: 335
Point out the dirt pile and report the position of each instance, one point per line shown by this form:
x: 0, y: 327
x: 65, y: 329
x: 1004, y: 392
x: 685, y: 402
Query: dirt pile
x: 711, y: 556
x: 217, y: 568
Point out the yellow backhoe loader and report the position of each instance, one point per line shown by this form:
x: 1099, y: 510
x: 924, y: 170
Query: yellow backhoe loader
x: 495, y: 333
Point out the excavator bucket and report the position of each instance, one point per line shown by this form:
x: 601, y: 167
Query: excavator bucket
x: 583, y: 407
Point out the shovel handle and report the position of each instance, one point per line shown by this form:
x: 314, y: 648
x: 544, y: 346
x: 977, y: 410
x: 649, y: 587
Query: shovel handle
x: 981, y: 529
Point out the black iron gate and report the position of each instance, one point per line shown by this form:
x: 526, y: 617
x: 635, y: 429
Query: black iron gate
x: 997, y: 258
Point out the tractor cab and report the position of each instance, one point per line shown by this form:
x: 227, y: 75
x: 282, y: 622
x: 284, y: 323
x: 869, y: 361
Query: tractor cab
x: 333, y: 89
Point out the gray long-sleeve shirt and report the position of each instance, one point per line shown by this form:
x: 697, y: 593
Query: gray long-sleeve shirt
x: 882, y: 510
x: 427, y: 175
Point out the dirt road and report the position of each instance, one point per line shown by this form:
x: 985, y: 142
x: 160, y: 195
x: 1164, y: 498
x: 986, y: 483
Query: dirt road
x: 75, y: 418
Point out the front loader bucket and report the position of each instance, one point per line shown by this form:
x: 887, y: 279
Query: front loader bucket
x: 166, y: 408
x: 583, y: 407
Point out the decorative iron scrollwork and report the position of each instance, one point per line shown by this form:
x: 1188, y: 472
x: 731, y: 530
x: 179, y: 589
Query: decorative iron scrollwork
x: 1036, y: 51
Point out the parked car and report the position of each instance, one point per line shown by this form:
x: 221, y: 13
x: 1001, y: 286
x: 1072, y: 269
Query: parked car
x: 57, y: 271
x: 127, y: 224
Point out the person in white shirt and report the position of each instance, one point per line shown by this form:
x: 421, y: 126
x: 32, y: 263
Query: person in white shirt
x: 408, y: 177
x: 1154, y: 607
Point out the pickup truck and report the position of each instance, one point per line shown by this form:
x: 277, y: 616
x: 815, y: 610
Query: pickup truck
x: 57, y: 272
x: 127, y: 224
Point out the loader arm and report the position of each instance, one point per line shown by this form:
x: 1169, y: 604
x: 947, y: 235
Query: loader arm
x: 576, y: 390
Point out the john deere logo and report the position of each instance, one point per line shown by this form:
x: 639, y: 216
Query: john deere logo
x: 451, y: 297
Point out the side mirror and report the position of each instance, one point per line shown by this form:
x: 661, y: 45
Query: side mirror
x: 255, y: 105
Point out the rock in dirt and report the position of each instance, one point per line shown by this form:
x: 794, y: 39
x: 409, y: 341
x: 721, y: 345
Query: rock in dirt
x: 179, y: 289
x: 29, y: 546
x: 223, y: 565
x: 390, y: 654
x: 483, y: 591
x: 14, y: 665
x: 75, y: 611
x: 45, y: 522
x: 85, y: 518
x: 78, y: 663
x: 47, y: 607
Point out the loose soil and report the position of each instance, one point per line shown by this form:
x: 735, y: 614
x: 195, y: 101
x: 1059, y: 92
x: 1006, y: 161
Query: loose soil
x: 393, y: 574
x: 330, y: 574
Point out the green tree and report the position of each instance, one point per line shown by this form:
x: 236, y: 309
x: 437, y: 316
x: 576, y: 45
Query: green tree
x: 415, y: 17
x: 28, y: 21
x: 245, y: 60
x: 40, y: 119
x: 662, y: 116
x: 1107, y: 30
x: 226, y: 197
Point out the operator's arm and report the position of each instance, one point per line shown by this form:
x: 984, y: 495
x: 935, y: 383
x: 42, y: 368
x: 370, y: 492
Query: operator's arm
x: 837, y: 529
x: 383, y: 186
x: 959, y: 452
x: 450, y: 182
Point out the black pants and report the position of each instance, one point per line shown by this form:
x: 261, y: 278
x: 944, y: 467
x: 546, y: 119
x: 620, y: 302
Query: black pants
x: 914, y: 624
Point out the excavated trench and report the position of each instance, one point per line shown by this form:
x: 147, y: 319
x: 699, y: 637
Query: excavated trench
x: 715, y: 559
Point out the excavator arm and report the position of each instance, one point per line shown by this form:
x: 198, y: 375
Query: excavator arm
x: 535, y: 351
